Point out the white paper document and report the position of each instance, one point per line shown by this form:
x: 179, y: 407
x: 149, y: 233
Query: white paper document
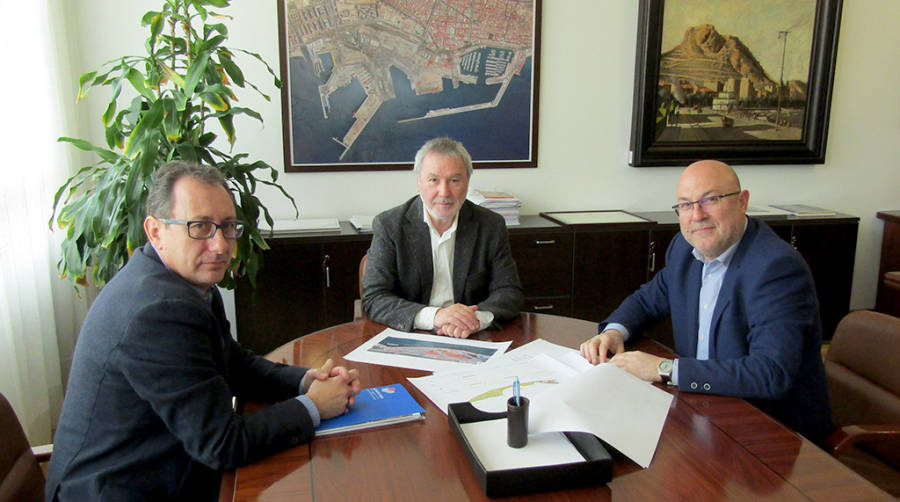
x: 488, y: 441
x: 570, y: 357
x: 617, y: 407
x: 425, y: 352
x: 488, y: 386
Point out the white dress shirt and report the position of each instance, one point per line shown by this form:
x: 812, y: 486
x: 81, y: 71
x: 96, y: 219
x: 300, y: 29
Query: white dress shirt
x: 442, y: 247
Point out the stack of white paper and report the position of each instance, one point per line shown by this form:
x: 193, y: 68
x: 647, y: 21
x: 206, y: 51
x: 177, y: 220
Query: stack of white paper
x: 504, y: 203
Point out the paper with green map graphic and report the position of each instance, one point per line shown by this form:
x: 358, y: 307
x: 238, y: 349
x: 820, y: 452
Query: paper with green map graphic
x: 488, y: 386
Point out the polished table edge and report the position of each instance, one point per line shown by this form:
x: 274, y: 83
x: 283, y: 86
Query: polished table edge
x: 767, y: 442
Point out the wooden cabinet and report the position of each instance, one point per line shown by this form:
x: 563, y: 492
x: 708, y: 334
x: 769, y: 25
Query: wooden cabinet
x: 610, y: 264
x: 544, y: 258
x: 829, y: 248
x: 310, y: 282
x: 306, y: 284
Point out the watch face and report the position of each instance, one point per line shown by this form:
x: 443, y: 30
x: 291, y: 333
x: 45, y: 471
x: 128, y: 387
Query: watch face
x: 665, y: 367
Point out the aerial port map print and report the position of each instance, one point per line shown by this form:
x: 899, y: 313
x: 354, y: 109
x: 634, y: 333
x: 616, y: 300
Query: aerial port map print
x: 367, y: 83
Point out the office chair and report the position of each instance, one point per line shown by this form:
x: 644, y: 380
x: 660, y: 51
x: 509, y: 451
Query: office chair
x: 358, y: 312
x: 21, y: 478
x: 864, y: 389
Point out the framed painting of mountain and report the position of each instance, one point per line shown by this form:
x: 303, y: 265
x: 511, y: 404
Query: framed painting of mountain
x: 367, y: 83
x: 742, y: 81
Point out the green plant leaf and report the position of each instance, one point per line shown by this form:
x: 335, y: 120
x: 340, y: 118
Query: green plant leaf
x: 198, y: 66
x: 172, y: 75
x: 149, y: 121
x: 82, y: 91
x: 263, y: 61
x: 106, y: 155
x: 157, y: 22
x: 214, y: 3
x: 233, y: 71
x: 137, y: 81
x: 227, y: 123
x: 170, y: 120
x: 215, y: 100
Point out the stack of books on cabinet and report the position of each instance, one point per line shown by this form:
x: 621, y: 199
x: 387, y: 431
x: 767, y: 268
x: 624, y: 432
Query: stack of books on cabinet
x: 504, y: 203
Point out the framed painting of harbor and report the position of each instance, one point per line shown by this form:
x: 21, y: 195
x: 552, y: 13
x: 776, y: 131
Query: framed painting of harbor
x: 743, y: 81
x: 365, y: 84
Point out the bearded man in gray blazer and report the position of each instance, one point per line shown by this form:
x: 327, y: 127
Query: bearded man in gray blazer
x: 439, y: 262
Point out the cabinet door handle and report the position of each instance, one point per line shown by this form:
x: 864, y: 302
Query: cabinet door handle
x: 794, y: 241
x: 542, y: 307
x: 325, y: 265
x: 652, y: 256
x: 544, y: 243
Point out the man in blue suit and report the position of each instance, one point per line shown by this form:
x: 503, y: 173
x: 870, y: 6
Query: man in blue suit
x: 745, y: 315
x: 148, y: 411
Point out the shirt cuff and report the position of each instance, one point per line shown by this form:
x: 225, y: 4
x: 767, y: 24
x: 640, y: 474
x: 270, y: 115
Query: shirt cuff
x: 675, y: 372
x: 425, y: 318
x: 618, y: 327
x: 311, y: 408
x: 485, y: 318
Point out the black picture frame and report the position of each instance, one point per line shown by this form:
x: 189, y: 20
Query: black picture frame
x: 498, y: 133
x: 651, y: 148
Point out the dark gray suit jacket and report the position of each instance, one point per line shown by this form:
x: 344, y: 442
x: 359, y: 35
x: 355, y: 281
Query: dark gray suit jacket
x: 399, y: 270
x: 148, y: 410
x: 765, y: 335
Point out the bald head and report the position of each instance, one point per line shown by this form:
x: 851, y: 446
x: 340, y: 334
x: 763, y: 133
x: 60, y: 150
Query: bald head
x: 711, y: 171
x: 716, y: 222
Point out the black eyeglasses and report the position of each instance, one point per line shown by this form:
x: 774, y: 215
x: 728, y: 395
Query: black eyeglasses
x: 204, y: 229
x: 706, y: 203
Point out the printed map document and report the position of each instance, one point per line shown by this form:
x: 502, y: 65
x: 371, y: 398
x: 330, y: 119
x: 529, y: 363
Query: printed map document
x: 425, y: 352
x: 488, y: 386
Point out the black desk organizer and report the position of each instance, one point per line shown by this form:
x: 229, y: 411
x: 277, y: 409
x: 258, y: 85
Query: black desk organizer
x: 595, y: 470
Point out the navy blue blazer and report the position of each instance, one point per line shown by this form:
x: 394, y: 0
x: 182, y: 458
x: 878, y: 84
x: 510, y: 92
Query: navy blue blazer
x: 765, y: 335
x: 148, y: 409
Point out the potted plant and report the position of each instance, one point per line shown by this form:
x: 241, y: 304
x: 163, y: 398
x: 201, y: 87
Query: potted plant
x: 186, y: 80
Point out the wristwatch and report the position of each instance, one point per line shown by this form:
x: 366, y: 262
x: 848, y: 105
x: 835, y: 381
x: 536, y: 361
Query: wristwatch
x: 665, y: 370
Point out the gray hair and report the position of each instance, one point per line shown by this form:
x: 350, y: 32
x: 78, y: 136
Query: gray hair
x: 160, y: 199
x: 444, y: 146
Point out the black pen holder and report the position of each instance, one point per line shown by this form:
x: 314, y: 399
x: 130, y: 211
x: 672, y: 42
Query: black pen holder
x: 517, y: 422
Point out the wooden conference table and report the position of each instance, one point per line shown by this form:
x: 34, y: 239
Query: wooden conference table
x: 711, y: 448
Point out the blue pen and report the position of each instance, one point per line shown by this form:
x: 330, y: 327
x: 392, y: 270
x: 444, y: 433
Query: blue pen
x: 516, y: 391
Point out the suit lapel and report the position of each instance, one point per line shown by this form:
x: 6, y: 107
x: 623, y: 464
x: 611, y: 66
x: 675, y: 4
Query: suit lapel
x: 418, y: 238
x: 466, y: 235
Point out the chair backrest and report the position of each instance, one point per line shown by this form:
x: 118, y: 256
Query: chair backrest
x: 21, y: 478
x: 863, y: 375
x: 362, y: 271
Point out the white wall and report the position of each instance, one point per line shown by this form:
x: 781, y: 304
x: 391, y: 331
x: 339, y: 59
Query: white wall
x: 587, y: 70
